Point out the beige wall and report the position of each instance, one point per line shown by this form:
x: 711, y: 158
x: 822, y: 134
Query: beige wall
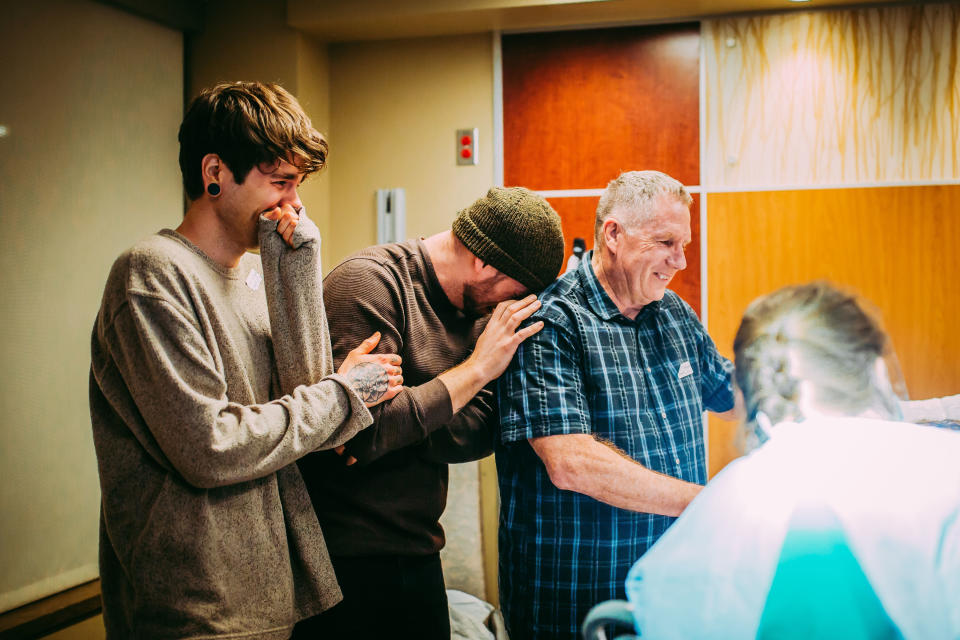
x: 250, y: 40
x: 92, y: 98
x: 313, y: 91
x: 394, y: 111
x: 395, y: 107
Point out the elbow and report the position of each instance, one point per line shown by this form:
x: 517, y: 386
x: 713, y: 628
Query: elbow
x: 562, y: 474
x: 236, y: 447
x: 202, y: 476
x: 203, y: 466
x: 562, y: 458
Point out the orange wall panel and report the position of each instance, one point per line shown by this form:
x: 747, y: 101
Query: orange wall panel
x: 580, y: 107
x: 896, y: 246
x: 577, y: 216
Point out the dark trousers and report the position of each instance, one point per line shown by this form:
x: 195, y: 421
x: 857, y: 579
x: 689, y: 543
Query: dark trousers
x: 384, y: 597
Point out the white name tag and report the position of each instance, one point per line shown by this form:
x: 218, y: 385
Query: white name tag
x: 254, y: 279
x: 685, y: 370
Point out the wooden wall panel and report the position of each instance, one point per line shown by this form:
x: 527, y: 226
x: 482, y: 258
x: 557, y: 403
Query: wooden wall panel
x: 894, y: 246
x: 833, y: 97
x: 580, y: 107
x: 577, y: 217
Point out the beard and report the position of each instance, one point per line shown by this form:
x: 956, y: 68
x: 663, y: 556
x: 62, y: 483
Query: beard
x: 475, y: 302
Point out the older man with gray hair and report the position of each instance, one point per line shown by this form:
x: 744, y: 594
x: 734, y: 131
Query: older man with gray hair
x: 601, y: 414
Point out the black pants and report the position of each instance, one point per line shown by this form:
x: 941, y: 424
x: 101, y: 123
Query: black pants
x: 393, y: 597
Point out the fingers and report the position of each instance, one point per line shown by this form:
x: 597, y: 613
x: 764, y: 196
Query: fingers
x: 388, y: 361
x: 508, y: 308
x: 520, y: 312
x: 285, y: 210
x: 287, y: 219
x: 394, y: 387
x: 516, y: 304
x: 283, y: 225
x: 287, y: 224
x: 367, y: 345
x: 526, y: 332
x: 349, y: 460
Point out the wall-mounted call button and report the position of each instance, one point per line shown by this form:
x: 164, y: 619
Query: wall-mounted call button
x: 467, y: 146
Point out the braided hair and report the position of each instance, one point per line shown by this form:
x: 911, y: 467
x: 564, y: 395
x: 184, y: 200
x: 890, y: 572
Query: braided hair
x: 810, y: 340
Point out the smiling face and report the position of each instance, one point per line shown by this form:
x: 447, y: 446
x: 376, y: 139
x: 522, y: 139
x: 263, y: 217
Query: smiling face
x: 651, y: 253
x: 265, y: 187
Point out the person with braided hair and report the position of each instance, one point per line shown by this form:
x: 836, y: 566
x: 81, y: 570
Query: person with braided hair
x: 842, y: 520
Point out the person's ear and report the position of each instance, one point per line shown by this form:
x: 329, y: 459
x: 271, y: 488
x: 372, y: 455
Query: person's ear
x: 483, y: 270
x: 211, y: 168
x: 612, y: 234
x: 880, y: 374
x: 886, y: 395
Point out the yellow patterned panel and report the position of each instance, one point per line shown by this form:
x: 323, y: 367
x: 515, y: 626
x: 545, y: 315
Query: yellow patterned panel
x: 896, y: 246
x: 833, y: 97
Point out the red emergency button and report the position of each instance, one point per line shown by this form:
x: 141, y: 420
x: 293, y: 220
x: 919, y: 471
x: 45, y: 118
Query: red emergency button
x: 466, y: 148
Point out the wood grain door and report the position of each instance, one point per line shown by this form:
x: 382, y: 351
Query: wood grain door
x: 580, y: 107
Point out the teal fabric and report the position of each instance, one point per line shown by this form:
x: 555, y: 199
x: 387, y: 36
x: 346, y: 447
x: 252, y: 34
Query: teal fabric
x: 834, y: 528
x: 819, y: 589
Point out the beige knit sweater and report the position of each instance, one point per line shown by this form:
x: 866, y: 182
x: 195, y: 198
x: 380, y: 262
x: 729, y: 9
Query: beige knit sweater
x: 206, y: 527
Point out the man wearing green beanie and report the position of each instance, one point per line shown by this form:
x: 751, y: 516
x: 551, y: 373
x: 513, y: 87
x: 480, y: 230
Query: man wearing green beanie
x: 451, y: 306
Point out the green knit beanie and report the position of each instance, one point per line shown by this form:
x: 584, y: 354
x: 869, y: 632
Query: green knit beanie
x: 515, y: 231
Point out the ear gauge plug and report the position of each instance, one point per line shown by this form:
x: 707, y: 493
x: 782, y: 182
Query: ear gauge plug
x: 213, y: 189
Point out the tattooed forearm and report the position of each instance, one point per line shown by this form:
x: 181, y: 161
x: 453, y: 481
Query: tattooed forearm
x: 369, y: 380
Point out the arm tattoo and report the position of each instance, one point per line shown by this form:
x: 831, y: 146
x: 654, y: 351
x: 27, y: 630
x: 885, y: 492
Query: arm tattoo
x: 369, y: 380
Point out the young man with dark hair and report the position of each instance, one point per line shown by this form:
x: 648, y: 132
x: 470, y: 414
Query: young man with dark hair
x: 211, y: 375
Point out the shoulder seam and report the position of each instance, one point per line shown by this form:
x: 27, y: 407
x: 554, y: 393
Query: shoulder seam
x: 153, y: 296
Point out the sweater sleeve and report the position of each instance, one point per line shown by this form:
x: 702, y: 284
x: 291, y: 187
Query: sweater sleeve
x: 469, y: 435
x: 162, y: 357
x: 298, y: 321
x: 362, y: 296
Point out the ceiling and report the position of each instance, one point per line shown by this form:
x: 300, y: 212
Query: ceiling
x: 346, y: 20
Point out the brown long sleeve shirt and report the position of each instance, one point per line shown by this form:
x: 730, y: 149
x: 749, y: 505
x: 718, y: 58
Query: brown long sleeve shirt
x: 390, y: 502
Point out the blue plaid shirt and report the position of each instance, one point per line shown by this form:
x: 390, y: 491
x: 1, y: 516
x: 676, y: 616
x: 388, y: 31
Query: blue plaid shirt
x: 641, y: 384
